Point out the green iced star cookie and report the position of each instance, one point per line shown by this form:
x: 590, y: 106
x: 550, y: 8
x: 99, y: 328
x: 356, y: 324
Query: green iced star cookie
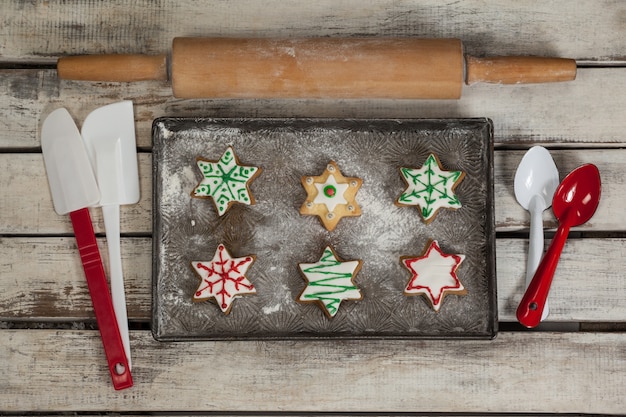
x: 225, y: 181
x: 430, y: 188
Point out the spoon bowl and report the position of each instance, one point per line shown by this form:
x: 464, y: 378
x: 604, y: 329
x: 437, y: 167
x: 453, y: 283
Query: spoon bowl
x: 575, y: 201
x: 536, y: 180
x: 577, y: 197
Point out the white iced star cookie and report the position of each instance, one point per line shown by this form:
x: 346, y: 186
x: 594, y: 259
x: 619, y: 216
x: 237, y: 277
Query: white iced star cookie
x: 433, y: 274
x: 331, y: 196
x: 430, y: 188
x: 225, y: 181
x: 223, y: 278
x: 330, y: 281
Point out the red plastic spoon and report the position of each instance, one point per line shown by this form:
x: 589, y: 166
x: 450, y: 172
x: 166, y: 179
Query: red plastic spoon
x: 575, y: 201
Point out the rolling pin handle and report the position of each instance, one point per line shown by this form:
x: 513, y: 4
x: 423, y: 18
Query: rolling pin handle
x: 519, y: 70
x: 114, y: 67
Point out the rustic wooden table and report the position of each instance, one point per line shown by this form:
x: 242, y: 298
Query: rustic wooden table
x: 51, y: 358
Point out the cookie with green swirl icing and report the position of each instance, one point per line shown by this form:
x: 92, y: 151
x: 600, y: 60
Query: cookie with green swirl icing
x: 430, y: 188
x: 225, y: 181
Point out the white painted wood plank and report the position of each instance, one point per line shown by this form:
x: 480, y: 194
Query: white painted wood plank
x: 510, y: 216
x: 58, y: 371
x: 26, y: 204
x: 589, y: 283
x: 42, y: 280
x: 516, y: 372
x: 28, y: 96
x: 588, y: 111
x: 592, y: 31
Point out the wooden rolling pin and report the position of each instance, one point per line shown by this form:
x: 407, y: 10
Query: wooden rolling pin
x: 401, y: 68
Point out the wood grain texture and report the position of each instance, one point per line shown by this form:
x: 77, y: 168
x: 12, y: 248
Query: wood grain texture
x: 519, y: 70
x: 64, y: 372
x: 397, y: 68
x: 113, y: 67
x: 579, y: 373
x: 585, y: 111
x: 41, y: 31
x: 52, y: 287
x: 60, y: 294
x: 510, y: 216
x: 31, y: 212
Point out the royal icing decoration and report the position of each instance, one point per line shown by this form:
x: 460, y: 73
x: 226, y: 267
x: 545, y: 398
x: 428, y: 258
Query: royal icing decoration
x: 330, y: 193
x: 331, y: 196
x: 433, y: 274
x: 225, y: 181
x: 430, y: 188
x: 330, y: 281
x: 223, y: 278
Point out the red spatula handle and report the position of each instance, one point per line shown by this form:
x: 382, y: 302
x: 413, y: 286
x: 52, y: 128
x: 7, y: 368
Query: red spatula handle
x: 101, y: 299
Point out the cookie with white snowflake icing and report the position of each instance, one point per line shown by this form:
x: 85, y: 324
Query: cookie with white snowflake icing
x: 223, y: 278
x: 433, y: 274
x: 430, y: 188
x: 331, y: 196
x: 330, y: 281
x: 225, y: 181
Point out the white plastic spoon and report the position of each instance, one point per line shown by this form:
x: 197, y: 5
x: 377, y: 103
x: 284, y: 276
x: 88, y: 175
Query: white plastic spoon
x: 536, y: 180
x: 109, y: 135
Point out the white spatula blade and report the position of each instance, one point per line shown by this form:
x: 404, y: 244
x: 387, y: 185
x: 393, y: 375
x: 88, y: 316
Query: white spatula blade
x: 109, y: 135
x: 72, y: 183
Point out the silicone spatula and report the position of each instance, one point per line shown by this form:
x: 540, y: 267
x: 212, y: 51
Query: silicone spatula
x: 74, y: 188
x: 109, y: 135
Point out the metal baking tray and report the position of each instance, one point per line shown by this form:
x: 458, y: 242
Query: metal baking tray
x: 188, y: 229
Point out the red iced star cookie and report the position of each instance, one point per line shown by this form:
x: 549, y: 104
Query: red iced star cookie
x: 433, y: 274
x: 223, y: 278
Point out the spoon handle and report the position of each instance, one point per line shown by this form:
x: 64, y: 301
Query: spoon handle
x: 531, y: 307
x: 535, y: 245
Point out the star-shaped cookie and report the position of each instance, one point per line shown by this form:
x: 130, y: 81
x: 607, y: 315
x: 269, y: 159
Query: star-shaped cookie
x: 331, y: 196
x: 330, y: 281
x: 225, y: 181
x: 430, y: 188
x: 433, y: 274
x: 223, y: 278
